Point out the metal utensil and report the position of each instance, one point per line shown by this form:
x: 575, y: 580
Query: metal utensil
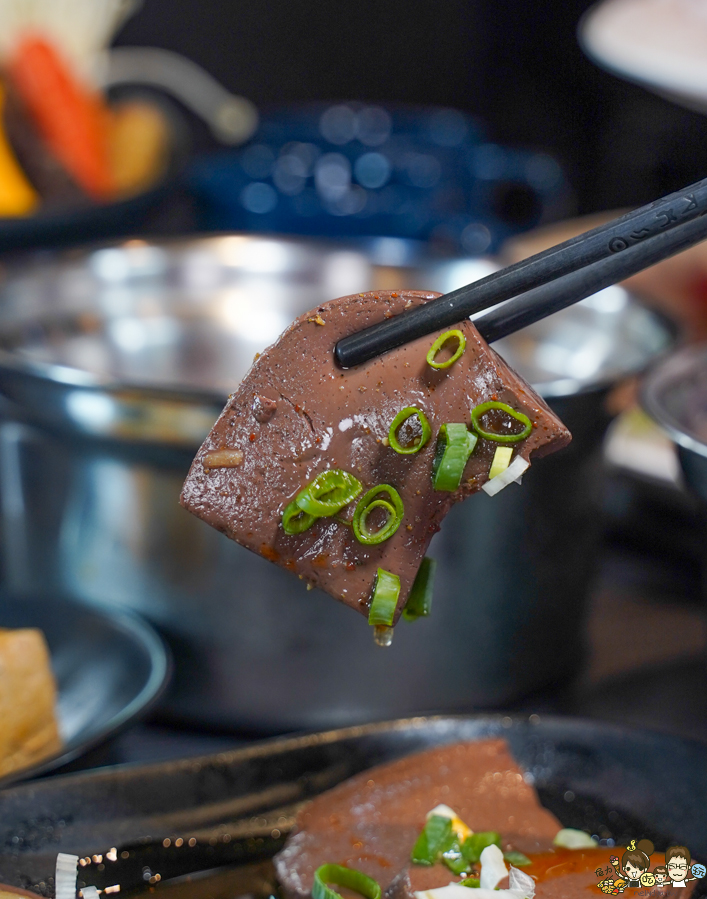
x: 231, y: 118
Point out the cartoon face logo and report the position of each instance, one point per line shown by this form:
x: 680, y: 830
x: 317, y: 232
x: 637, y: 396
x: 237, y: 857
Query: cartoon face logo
x: 698, y: 870
x: 677, y: 861
x: 647, y: 879
x: 661, y: 875
x: 634, y: 862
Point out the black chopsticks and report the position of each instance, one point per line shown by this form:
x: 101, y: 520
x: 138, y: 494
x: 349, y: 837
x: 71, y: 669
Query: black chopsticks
x: 550, y: 280
x: 548, y: 298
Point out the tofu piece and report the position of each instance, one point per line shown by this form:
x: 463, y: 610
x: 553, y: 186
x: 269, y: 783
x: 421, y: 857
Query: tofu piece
x: 29, y: 731
x: 296, y: 414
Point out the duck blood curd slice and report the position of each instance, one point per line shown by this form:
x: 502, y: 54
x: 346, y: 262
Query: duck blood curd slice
x: 371, y: 821
x: 297, y: 415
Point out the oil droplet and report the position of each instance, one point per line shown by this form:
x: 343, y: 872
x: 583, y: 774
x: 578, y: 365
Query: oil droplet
x: 382, y: 635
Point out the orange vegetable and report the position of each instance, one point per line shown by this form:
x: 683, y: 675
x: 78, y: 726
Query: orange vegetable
x: 17, y: 196
x: 71, y: 118
x: 138, y: 146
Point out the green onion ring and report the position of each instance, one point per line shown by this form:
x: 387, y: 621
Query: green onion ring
x: 399, y: 420
x: 420, y: 600
x: 385, y: 598
x: 343, y: 877
x: 296, y: 520
x: 328, y: 492
x: 455, y: 443
x: 367, y: 504
x: 440, y: 342
x: 503, y: 407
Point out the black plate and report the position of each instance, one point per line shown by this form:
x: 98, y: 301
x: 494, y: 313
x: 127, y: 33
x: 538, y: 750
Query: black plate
x: 238, y: 806
x: 110, y: 667
x: 85, y: 223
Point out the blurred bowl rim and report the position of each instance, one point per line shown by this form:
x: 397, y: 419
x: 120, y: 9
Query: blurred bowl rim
x: 666, y: 372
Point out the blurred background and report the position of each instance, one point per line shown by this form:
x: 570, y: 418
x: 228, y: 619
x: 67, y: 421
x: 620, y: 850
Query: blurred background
x: 335, y: 148
x: 517, y: 67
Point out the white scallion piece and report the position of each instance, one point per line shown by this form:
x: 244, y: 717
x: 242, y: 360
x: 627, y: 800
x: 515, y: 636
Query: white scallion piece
x: 507, y: 476
x: 569, y: 838
x: 90, y: 893
x: 442, y: 811
x: 493, y: 868
x: 457, y: 891
x: 65, y: 877
x: 521, y: 883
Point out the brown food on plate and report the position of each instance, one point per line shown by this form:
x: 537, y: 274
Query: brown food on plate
x: 297, y: 415
x: 371, y: 822
x: 29, y: 731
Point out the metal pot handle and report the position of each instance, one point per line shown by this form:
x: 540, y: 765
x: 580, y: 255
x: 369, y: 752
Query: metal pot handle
x: 232, y: 119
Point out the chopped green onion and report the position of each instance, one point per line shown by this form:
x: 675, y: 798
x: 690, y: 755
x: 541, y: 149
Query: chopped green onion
x: 455, y: 443
x: 440, y: 342
x: 400, y: 420
x: 296, y: 520
x: 481, y: 410
x: 517, y: 858
x: 569, y: 838
x: 474, y: 845
x: 436, y: 837
x: 385, y: 598
x: 501, y: 461
x: 420, y: 600
x: 472, y: 882
x: 343, y: 877
x: 394, y: 515
x: 439, y: 842
x: 328, y: 492
x: 454, y: 859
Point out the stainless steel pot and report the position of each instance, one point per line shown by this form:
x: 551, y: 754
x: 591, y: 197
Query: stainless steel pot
x: 114, y: 363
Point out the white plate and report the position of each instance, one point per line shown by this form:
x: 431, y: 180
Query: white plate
x: 661, y: 44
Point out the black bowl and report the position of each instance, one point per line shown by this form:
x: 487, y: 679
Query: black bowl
x: 237, y: 807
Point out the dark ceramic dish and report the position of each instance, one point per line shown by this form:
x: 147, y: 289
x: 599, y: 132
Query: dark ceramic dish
x: 110, y: 667
x: 236, y: 808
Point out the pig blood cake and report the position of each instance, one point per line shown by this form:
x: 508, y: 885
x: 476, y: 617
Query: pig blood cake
x: 381, y: 823
x: 343, y: 476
